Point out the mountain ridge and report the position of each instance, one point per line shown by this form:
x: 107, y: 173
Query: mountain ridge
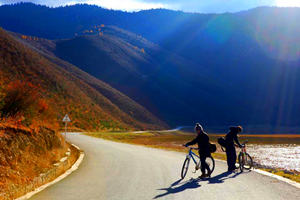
x: 94, y: 101
x: 219, y: 69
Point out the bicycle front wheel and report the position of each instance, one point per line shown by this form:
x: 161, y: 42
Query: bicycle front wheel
x: 211, y: 163
x: 185, y: 167
x: 245, y: 161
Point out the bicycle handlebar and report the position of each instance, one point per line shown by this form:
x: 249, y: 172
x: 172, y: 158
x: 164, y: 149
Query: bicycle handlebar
x: 191, y: 147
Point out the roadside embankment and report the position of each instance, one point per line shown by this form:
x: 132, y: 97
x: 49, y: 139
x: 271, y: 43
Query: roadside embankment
x: 31, y: 158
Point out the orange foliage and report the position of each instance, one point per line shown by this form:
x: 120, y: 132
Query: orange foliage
x: 30, y: 38
x: 19, y: 96
x: 42, y: 106
x: 23, y: 104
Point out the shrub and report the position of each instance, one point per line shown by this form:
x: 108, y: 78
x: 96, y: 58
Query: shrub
x: 22, y: 98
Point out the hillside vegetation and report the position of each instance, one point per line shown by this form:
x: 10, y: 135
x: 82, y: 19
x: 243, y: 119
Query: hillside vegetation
x: 63, y: 92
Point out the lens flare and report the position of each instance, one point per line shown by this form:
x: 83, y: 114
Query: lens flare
x: 278, y: 36
x: 219, y: 29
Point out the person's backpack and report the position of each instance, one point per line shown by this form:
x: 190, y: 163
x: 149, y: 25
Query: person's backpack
x: 222, y: 141
x: 212, y: 148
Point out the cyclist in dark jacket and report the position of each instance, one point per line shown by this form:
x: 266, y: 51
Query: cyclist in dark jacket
x: 202, y: 140
x: 230, y: 138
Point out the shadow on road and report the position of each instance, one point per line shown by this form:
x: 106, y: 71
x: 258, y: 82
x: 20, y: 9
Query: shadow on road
x: 194, y: 183
x: 222, y: 177
x: 190, y: 184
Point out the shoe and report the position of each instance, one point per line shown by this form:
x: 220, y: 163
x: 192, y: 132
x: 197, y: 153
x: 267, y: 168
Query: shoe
x: 203, y: 176
x: 208, y: 175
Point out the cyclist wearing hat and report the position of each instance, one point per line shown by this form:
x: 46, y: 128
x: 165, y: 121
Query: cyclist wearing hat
x: 202, y: 140
x: 230, y: 138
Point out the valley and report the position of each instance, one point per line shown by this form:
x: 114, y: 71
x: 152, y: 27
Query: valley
x: 125, y: 79
x: 226, y: 70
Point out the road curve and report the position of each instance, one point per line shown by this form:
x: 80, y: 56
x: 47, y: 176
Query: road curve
x: 117, y: 171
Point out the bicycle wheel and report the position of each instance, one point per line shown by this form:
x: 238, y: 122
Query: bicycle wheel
x: 185, y: 167
x: 245, y: 161
x: 211, y: 163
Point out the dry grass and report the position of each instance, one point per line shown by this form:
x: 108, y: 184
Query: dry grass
x: 25, y: 154
x: 174, y: 140
x: 155, y: 139
x: 295, y: 176
x: 265, y: 139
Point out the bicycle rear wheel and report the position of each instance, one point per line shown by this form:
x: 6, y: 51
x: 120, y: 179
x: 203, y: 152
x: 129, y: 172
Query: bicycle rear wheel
x: 185, y: 167
x: 211, y: 163
x: 245, y: 161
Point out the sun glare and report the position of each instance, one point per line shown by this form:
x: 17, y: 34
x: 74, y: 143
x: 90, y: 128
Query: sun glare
x: 288, y: 3
x: 128, y: 5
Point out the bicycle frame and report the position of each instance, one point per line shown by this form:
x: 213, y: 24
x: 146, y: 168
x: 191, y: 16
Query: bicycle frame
x: 245, y: 157
x: 191, y: 154
x: 194, y: 156
x: 243, y: 149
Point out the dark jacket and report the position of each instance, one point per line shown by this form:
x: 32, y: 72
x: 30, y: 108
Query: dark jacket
x: 203, y: 144
x: 232, y: 137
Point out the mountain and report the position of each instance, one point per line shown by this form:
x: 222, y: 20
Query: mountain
x: 150, y: 75
x: 91, y: 103
x: 219, y: 69
x: 272, y: 29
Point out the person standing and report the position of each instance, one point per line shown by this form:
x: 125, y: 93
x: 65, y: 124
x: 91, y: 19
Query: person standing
x: 230, y: 138
x: 202, y: 140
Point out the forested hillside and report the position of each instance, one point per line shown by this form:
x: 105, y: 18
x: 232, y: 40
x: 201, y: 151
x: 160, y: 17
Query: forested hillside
x: 36, y: 90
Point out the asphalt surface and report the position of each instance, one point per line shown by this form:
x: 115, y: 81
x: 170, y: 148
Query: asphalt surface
x: 117, y: 171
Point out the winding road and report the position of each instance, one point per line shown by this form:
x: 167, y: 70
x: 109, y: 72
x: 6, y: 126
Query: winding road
x: 117, y: 171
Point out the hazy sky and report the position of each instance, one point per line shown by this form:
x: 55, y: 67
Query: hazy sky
x: 206, y: 6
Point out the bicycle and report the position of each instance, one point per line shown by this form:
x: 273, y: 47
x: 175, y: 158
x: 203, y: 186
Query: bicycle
x: 209, y: 160
x: 245, y: 160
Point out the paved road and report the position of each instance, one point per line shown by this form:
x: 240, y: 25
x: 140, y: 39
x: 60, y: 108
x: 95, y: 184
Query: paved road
x: 117, y: 171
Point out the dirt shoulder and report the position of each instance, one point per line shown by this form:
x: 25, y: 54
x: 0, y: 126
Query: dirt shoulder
x: 29, y: 159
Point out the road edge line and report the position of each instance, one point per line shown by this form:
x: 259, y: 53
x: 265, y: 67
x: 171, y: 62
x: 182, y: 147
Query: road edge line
x: 59, y: 178
x: 265, y: 173
x: 286, y: 180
